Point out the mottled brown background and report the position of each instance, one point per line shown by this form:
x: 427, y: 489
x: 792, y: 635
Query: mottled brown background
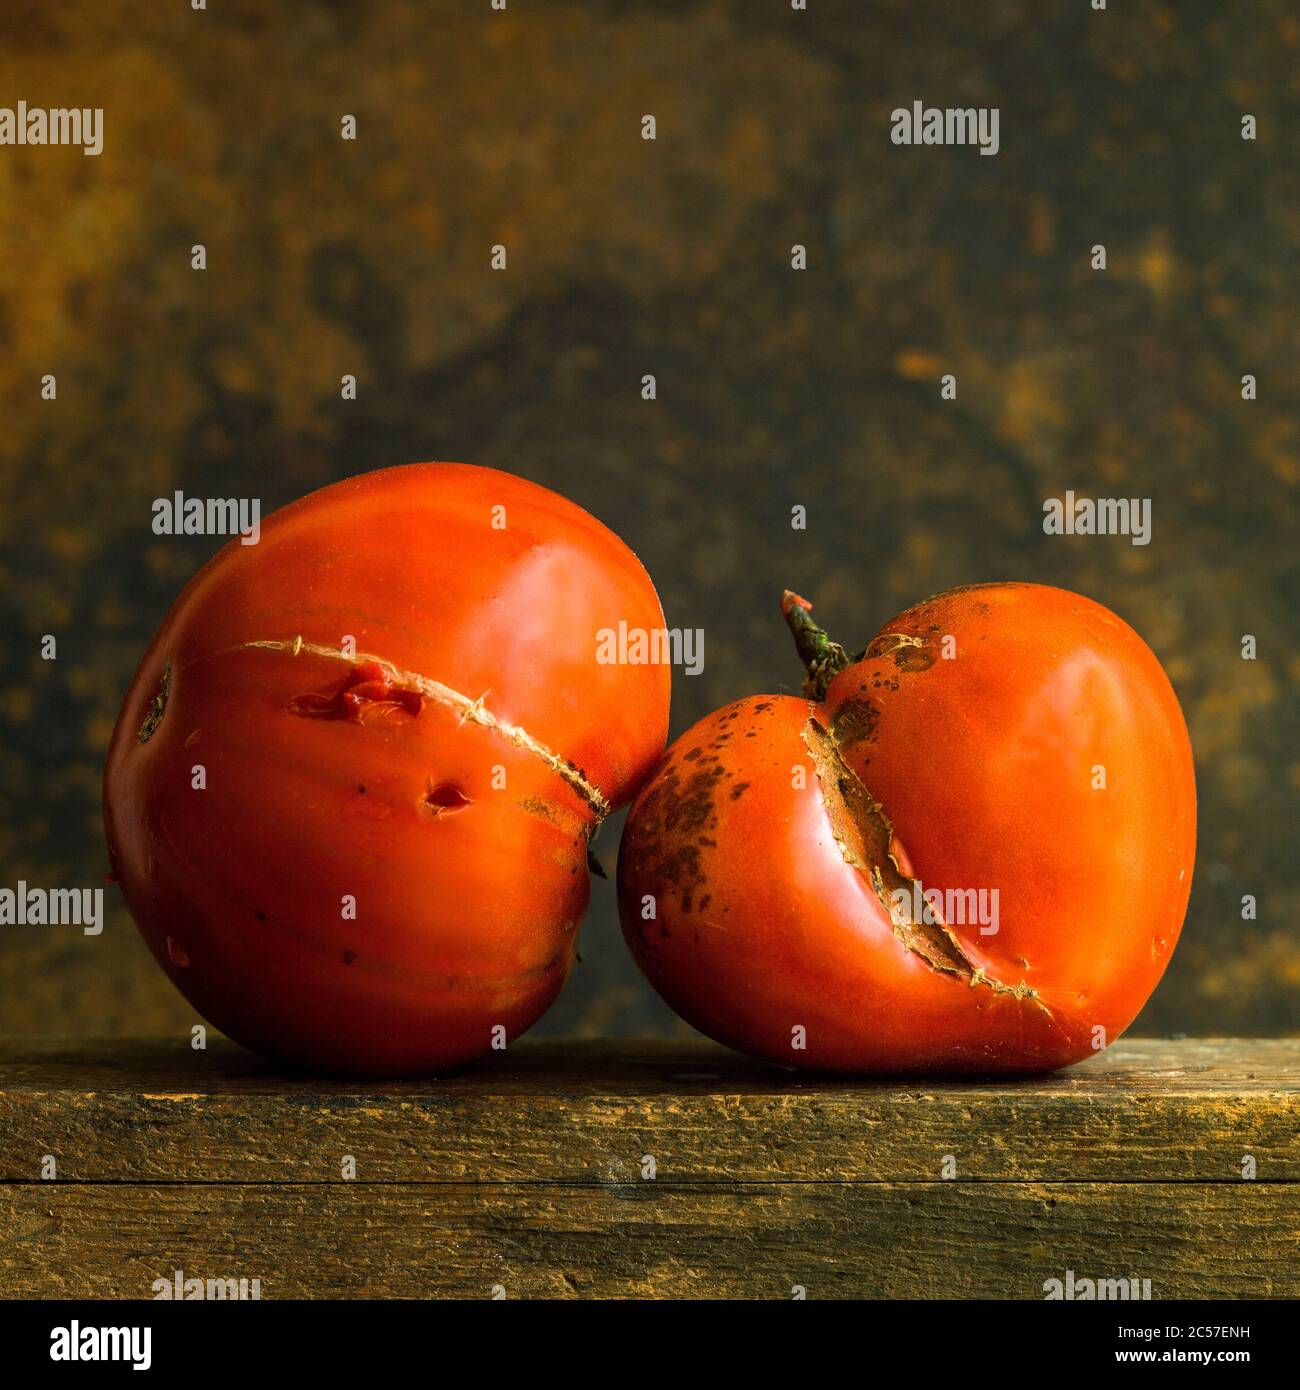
x: 775, y: 387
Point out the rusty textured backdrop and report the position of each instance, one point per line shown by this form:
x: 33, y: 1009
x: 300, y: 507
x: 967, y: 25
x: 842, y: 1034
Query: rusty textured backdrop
x: 776, y: 387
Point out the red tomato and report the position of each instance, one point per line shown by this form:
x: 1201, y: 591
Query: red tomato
x: 969, y: 850
x: 404, y: 741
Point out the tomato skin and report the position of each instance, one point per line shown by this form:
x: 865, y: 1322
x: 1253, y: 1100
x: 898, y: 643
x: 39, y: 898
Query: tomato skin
x: 985, y: 765
x: 326, y: 778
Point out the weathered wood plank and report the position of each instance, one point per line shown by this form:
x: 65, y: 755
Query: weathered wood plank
x: 577, y: 1112
x: 651, y: 1239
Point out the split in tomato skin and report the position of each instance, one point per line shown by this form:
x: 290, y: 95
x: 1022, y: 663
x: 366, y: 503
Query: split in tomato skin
x: 1005, y: 737
x: 445, y: 779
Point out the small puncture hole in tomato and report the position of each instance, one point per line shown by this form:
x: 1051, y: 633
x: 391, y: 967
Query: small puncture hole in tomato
x: 445, y: 798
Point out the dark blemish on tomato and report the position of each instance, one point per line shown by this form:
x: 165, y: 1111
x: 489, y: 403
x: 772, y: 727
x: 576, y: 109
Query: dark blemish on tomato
x: 914, y: 658
x: 974, y: 588
x: 691, y: 807
x: 678, y: 808
x: 691, y: 754
x: 362, y: 790
x: 366, y: 685
x: 762, y: 705
x: 157, y: 706
x: 349, y: 957
x: 680, y: 869
x: 751, y: 734
x: 561, y: 817
x: 856, y: 721
x: 739, y: 790
x: 446, y: 798
x: 260, y: 915
x: 663, y: 932
x: 704, y: 901
x: 645, y: 947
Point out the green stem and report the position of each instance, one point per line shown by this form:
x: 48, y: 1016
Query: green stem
x: 821, y: 657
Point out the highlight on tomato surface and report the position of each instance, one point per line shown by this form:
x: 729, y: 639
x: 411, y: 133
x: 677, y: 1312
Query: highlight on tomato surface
x: 968, y: 848
x: 352, y: 786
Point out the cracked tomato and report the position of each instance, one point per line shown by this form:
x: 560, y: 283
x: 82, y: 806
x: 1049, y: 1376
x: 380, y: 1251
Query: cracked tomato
x: 969, y: 849
x: 350, y: 793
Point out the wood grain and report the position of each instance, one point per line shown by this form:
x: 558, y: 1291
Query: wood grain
x: 652, y: 1240
x: 588, y: 1112
x: 530, y: 1172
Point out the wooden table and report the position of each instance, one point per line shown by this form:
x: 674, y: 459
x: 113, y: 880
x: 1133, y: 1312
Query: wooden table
x: 647, y: 1169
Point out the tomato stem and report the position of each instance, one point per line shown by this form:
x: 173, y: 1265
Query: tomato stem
x: 821, y: 657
